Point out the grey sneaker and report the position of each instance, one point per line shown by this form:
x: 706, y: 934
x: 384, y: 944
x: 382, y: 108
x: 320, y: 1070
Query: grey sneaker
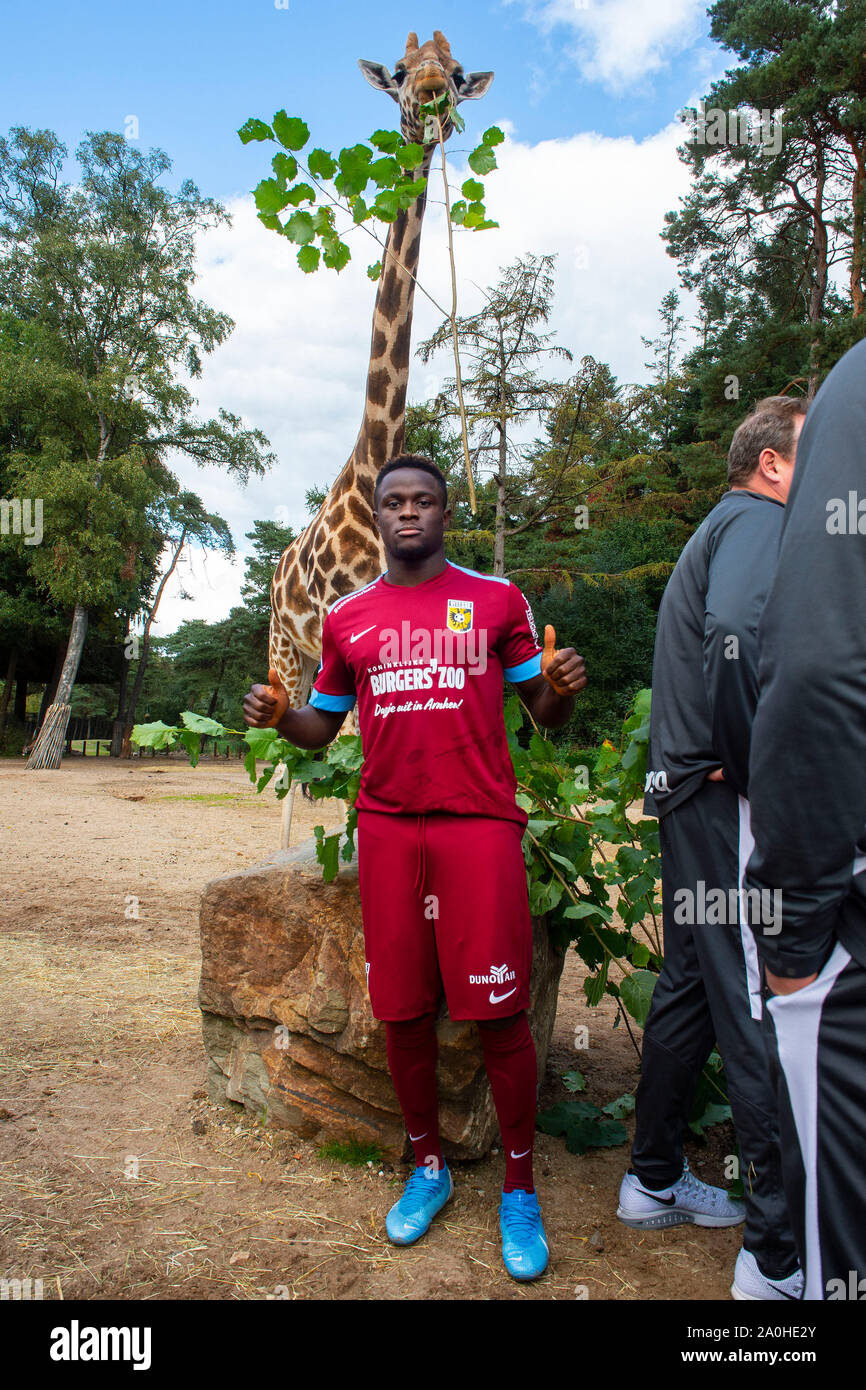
x: 688, y: 1200
x: 749, y: 1283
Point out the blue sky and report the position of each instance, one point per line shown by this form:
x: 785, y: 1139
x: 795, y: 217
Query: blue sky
x: 192, y: 73
x: 586, y: 90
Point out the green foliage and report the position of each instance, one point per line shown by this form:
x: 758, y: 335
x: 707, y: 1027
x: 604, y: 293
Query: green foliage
x: 371, y: 182
x: 584, y: 1125
x: 585, y: 858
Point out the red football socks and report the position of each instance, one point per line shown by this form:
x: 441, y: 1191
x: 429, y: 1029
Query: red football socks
x: 411, y: 1047
x: 509, y: 1056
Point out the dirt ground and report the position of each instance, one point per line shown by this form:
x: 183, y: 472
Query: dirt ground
x: 102, y: 1077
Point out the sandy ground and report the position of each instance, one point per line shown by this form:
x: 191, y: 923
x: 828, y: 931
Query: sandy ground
x: 119, y: 1179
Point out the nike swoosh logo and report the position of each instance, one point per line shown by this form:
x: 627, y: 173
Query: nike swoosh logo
x: 414, y: 1137
x: 498, y: 998
x: 665, y: 1201
x: 523, y: 1155
x: 355, y: 635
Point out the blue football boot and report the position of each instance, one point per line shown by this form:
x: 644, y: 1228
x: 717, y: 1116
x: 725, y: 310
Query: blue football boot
x: 524, y: 1244
x: 423, y: 1196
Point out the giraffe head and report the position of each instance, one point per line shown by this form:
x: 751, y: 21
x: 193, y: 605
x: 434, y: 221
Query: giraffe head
x: 421, y: 74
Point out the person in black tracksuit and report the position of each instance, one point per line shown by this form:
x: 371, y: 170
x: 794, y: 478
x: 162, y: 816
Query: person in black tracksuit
x: 704, y: 694
x: 808, y: 780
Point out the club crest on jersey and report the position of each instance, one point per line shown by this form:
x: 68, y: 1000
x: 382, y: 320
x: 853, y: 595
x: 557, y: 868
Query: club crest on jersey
x: 459, y: 617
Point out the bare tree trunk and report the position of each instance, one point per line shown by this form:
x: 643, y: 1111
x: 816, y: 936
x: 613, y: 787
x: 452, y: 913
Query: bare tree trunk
x: 51, y: 688
x: 126, y: 751
x: 48, y: 749
x: 502, y: 422
x: 819, y: 274
x: 858, y: 200
x: 117, y: 726
x: 7, y: 689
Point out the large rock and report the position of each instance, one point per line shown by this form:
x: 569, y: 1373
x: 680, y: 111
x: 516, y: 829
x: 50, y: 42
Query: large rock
x: 287, y: 1022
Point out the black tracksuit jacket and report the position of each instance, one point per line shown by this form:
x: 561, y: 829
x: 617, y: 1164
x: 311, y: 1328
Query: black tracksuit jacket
x: 807, y: 773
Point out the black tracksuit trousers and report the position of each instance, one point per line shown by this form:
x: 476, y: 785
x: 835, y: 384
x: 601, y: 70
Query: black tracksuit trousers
x: 709, y: 992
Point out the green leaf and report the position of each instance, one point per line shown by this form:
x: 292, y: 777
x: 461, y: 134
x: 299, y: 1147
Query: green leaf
x: 384, y: 172
x: 458, y: 212
x: 482, y: 161
x: 640, y: 955
x: 574, y: 1081
x: 410, y: 191
x: 291, y: 131
x: 542, y: 749
x: 156, y: 735
x: 254, y: 129
x: 619, y: 1108
x: 588, y: 910
x: 260, y: 741
x: 191, y: 741
x: 354, y: 164
x: 360, y: 211
x: 583, y: 1126
x: 270, y: 220
x: 327, y: 848
x: 513, y: 713
x: 472, y: 189
x: 323, y: 220
x: 336, y: 253
x: 374, y: 270
x: 308, y: 259
x: 538, y: 826
x: 299, y: 228
x: 643, y: 703
x: 561, y: 860
x: 270, y: 196
x: 410, y: 156
x: 285, y: 166
x: 202, y: 724
x: 321, y: 164
x: 593, y: 986
x: 493, y: 136
x: 637, y: 992
x: 713, y: 1113
x: 475, y: 215
x: 389, y: 141
x: 387, y: 205
x: 300, y: 193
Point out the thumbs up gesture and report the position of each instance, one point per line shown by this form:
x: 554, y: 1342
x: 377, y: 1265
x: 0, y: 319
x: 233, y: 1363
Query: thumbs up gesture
x: 563, y: 669
x: 265, y: 705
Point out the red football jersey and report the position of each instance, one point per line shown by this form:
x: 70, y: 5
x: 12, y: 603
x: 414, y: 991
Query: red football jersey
x: 426, y: 664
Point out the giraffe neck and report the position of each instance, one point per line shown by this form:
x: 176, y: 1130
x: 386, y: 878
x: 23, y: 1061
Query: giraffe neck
x: 383, y: 426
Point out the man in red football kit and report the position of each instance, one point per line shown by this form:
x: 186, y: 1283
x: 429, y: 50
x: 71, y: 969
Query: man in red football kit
x: 424, y: 649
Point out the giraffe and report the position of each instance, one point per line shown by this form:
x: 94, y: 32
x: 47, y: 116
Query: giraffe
x: 341, y: 550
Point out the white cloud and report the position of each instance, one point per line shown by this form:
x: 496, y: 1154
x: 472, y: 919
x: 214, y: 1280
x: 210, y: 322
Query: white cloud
x: 620, y: 42
x: 296, y: 364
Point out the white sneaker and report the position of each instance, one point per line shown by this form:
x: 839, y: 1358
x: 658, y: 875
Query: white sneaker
x: 688, y: 1199
x: 749, y: 1283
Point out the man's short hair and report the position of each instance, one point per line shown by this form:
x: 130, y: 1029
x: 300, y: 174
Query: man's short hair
x: 770, y: 426
x: 411, y: 461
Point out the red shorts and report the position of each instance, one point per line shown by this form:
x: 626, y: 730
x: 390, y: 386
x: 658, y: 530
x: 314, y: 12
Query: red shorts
x: 444, y: 904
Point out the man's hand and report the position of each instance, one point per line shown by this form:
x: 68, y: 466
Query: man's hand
x: 564, y: 669
x: 782, y: 984
x: 265, y: 705
x: 717, y: 775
